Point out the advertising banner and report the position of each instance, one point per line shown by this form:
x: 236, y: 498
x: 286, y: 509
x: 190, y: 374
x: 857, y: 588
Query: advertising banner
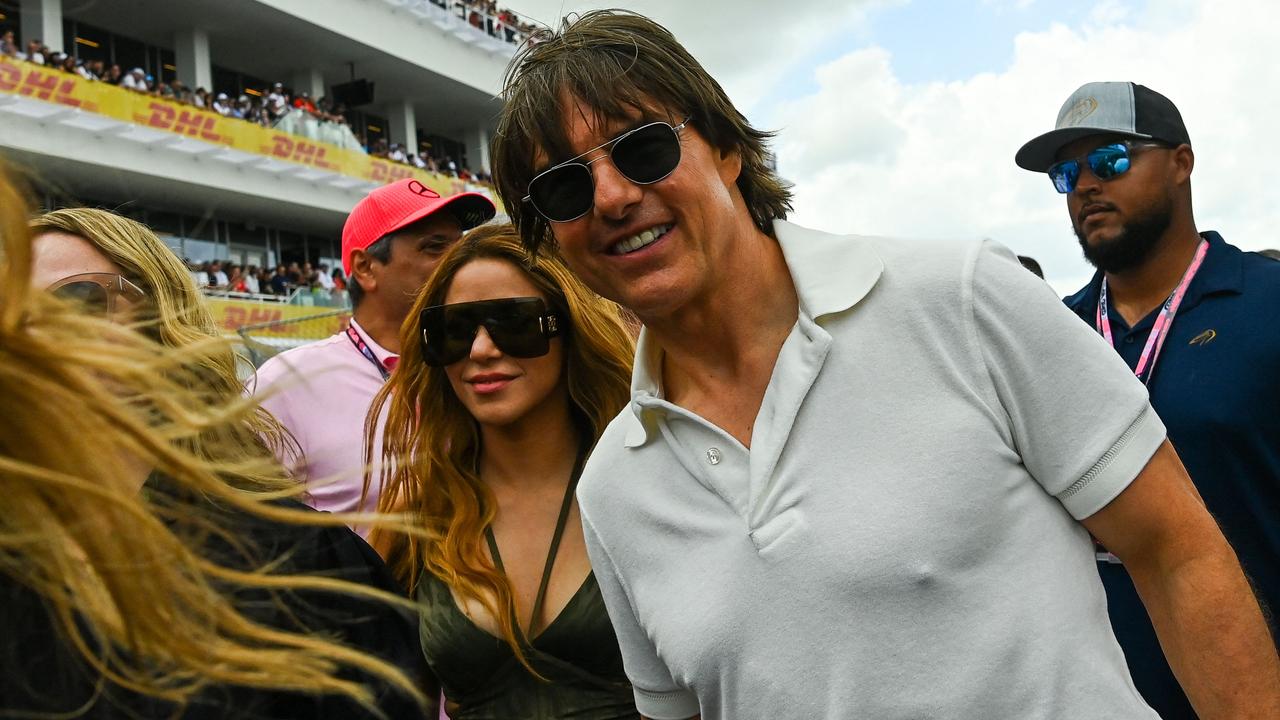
x: 50, y: 85
x: 294, y: 321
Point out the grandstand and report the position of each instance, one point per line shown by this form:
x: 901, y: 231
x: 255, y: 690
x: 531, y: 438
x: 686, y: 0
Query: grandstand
x: 324, y: 101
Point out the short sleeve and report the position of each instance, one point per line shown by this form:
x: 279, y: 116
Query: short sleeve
x: 1080, y: 420
x: 657, y: 695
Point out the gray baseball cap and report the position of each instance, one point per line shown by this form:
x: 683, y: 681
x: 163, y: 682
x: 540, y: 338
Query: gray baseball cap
x: 1106, y: 108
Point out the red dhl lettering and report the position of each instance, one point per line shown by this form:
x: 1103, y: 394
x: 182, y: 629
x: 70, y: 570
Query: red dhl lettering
x: 281, y: 146
x: 161, y: 116
x: 196, y: 123
x: 265, y: 315
x: 10, y: 77
x: 235, y: 317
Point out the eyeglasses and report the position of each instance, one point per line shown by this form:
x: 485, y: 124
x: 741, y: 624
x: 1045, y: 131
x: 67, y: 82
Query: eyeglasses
x: 97, y: 292
x: 645, y: 155
x: 520, y: 327
x: 1104, y: 162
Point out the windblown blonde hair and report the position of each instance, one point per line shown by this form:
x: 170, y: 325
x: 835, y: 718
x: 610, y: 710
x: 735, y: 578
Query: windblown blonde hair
x: 176, y: 314
x: 88, y: 403
x: 431, y: 444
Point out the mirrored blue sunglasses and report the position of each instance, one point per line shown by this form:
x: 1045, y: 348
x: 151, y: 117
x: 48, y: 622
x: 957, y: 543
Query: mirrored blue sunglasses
x: 1104, y: 162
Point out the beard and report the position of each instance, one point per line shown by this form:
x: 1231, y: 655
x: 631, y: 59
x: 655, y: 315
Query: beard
x: 1136, y: 243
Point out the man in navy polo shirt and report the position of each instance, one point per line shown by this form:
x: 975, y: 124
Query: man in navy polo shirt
x: 1192, y: 315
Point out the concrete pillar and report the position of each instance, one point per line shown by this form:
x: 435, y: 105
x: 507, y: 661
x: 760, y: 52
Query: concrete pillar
x: 477, y: 142
x: 404, y: 125
x: 191, y: 53
x: 310, y: 81
x: 42, y: 20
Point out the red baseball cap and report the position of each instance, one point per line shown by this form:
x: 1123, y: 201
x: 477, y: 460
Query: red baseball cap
x: 402, y: 203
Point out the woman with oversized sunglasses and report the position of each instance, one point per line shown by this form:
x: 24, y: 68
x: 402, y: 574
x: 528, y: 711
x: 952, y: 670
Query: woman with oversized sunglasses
x: 510, y: 372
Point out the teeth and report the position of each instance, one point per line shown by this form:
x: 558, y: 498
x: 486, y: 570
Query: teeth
x: 635, y: 242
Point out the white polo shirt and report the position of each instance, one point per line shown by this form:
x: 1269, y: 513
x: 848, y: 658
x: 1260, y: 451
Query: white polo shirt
x: 901, y: 539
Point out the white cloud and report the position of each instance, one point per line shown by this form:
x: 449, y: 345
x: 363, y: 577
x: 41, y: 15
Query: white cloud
x: 750, y: 46
x: 871, y: 154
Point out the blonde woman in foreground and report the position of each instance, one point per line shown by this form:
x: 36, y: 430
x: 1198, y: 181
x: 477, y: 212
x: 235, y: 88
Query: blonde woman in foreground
x: 183, y: 598
x: 510, y: 371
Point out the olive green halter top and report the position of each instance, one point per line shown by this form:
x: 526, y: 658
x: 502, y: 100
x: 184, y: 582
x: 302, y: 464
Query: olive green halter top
x: 577, y: 652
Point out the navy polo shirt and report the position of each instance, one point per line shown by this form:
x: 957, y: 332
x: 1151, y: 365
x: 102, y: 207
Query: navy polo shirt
x: 1216, y: 386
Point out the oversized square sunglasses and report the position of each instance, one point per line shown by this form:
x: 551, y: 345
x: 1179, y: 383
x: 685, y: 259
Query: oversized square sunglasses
x: 645, y: 155
x: 1104, y: 162
x: 99, y: 293
x: 520, y: 327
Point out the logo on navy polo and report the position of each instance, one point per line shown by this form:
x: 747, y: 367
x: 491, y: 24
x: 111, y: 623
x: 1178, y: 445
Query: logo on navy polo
x: 1204, y: 338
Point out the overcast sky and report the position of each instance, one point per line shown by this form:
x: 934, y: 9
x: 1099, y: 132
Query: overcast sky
x: 901, y: 117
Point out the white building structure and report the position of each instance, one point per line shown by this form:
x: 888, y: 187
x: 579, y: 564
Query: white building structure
x: 435, y: 75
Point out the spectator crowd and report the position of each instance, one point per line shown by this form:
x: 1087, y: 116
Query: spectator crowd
x: 322, y: 286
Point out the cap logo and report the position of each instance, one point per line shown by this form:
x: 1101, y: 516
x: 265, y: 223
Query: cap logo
x: 1083, y: 108
x: 420, y: 189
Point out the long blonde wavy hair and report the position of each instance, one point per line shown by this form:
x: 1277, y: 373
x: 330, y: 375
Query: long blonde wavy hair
x: 87, y: 403
x: 175, y: 313
x: 431, y: 443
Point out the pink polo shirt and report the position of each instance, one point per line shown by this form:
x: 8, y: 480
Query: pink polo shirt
x: 322, y: 393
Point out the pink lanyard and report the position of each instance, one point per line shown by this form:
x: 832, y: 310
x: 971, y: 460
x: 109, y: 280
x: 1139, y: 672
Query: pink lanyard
x: 1160, y: 328
x: 358, y: 341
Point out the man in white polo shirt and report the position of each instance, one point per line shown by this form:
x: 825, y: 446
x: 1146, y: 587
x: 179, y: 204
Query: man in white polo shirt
x: 858, y: 476
x: 321, y: 392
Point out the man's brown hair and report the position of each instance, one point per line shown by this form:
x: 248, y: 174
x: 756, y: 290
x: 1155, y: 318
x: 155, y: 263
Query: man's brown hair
x: 616, y: 63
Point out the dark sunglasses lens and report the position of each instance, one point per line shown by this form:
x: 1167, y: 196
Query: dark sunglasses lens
x: 91, y: 295
x: 1109, y: 161
x: 564, y: 193
x: 516, y: 331
x: 647, y: 155
x: 446, y: 336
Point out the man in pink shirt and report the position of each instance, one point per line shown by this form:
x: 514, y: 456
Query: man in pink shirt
x: 321, y: 392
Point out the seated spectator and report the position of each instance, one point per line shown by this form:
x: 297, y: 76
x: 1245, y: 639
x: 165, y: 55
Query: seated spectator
x: 303, y: 102
x: 264, y: 282
x: 339, y: 280
x: 165, y: 91
x: 324, y: 278
x: 113, y: 75
x: 251, y: 279
x: 136, y: 79
x: 201, y: 98
x: 8, y: 44
x: 236, y: 281
x: 397, y: 153
x: 217, y: 277
x: 280, y: 284
x: 222, y: 104
x: 35, y: 52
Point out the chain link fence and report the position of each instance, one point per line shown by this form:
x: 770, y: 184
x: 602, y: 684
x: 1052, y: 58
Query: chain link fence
x: 266, y: 339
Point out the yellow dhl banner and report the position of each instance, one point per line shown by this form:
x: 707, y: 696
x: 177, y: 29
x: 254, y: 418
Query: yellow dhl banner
x: 22, y: 78
x: 231, y: 315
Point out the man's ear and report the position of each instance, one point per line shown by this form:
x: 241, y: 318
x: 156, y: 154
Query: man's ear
x: 363, y: 270
x: 1184, y: 161
x: 730, y: 165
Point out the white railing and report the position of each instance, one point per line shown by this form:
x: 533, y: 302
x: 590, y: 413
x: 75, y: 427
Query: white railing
x: 455, y: 22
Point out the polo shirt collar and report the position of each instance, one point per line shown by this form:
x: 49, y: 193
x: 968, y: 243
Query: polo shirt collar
x: 379, y: 352
x: 831, y: 273
x: 1221, y: 272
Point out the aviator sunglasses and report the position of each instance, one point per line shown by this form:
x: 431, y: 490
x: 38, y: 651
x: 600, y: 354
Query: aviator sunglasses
x: 1104, y: 162
x: 520, y: 327
x: 97, y: 292
x: 644, y: 156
